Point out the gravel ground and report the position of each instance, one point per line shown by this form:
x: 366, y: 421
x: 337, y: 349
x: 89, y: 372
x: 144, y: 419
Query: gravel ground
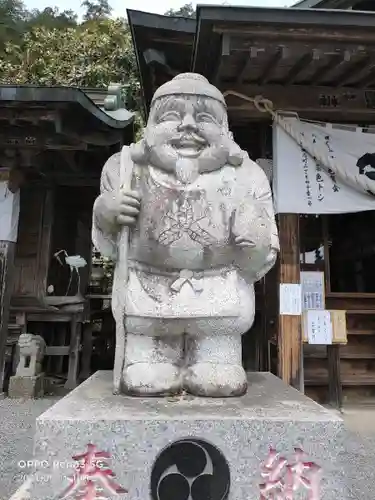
x: 17, y: 431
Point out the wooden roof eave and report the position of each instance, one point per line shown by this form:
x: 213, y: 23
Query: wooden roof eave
x: 323, y: 4
x: 215, y: 21
x: 289, y: 55
x: 174, y: 34
x: 117, y: 119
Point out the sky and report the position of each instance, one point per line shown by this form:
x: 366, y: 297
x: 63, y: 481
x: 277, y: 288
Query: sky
x: 155, y: 6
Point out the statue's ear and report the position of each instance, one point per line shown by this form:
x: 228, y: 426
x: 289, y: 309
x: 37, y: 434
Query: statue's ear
x: 138, y: 152
x: 236, y: 156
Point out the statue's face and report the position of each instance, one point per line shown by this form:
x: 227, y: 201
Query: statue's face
x: 189, y: 129
x: 188, y: 125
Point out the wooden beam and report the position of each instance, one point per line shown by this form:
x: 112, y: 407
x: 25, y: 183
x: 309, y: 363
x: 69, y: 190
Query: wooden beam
x: 300, y: 35
x: 225, y: 45
x: 57, y: 350
x: 250, y: 56
x: 289, y: 332
x: 301, y: 99
x: 225, y: 53
x: 69, y: 157
x: 346, y: 57
x: 34, y: 116
x: 355, y: 70
x: 301, y: 65
x: 335, y: 62
x: 174, y: 41
x: 38, y: 141
x: 368, y: 80
x: 271, y: 65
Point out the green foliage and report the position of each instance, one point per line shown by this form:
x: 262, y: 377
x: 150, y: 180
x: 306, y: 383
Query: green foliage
x: 12, y: 19
x: 186, y: 10
x: 96, y: 9
x: 15, y: 20
x: 51, y: 17
x: 49, y: 47
x: 89, y: 55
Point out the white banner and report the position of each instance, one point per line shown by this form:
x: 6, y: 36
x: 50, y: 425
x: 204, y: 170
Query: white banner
x: 9, y: 213
x: 303, y: 186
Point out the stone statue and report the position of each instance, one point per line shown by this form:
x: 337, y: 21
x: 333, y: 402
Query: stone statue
x: 202, y: 232
x: 31, y: 353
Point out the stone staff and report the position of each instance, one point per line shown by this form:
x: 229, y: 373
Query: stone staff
x: 120, y: 277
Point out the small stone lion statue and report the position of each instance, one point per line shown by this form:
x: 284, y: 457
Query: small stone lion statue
x: 31, y: 353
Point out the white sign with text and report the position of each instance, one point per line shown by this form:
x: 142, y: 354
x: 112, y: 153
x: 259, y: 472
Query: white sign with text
x: 318, y: 326
x: 290, y: 299
x: 312, y: 283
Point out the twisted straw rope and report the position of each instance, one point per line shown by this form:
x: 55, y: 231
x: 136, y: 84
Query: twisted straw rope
x: 359, y: 182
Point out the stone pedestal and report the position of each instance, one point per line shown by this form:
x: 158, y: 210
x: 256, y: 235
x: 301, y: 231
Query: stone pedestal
x: 26, y: 387
x: 224, y: 441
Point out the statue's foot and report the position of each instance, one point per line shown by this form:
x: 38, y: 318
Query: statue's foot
x: 151, y: 379
x: 216, y: 380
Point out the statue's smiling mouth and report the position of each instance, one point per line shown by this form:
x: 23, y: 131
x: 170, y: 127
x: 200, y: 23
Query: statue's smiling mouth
x: 189, y: 145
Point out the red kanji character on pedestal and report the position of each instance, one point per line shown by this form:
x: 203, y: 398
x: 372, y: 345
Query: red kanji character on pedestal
x: 272, y: 473
x: 92, y: 470
x: 305, y: 474
x: 90, y: 492
x: 282, y: 480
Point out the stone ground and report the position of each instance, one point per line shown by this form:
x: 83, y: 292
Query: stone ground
x: 17, y: 419
x: 17, y: 430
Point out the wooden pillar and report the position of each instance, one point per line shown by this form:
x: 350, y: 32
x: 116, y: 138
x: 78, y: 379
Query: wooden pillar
x: 289, y: 331
x: 87, y: 341
x: 334, y: 376
x: 6, y: 286
x: 75, y: 341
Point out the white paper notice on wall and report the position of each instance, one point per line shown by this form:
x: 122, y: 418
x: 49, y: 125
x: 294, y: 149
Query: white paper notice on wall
x: 312, y: 283
x: 318, y: 326
x: 290, y: 298
x: 9, y: 213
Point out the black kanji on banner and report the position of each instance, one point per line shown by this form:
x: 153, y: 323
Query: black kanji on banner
x: 190, y: 468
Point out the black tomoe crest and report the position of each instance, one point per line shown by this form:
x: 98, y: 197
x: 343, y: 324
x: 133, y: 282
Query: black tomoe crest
x: 367, y: 160
x: 190, y: 469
